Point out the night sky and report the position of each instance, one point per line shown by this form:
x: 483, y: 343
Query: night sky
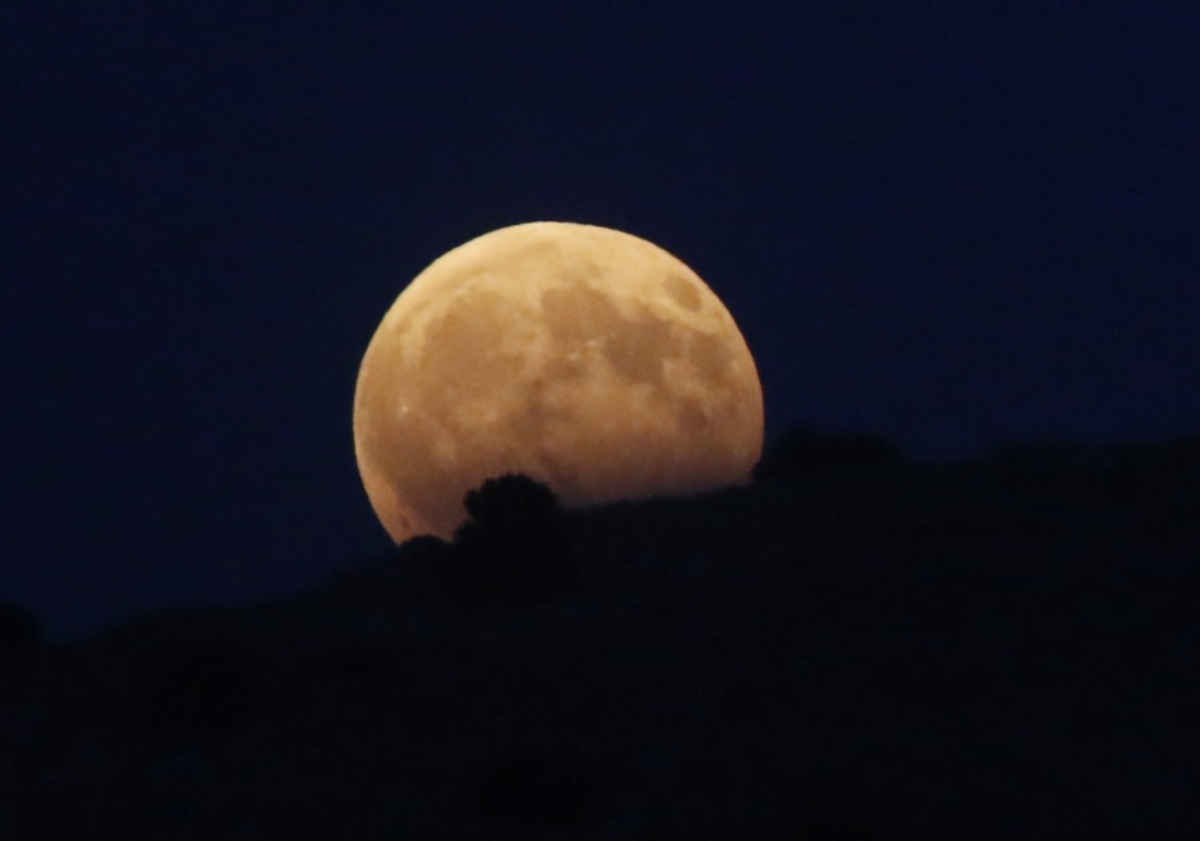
x: 949, y: 227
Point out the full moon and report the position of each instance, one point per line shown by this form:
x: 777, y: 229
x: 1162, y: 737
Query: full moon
x: 586, y: 358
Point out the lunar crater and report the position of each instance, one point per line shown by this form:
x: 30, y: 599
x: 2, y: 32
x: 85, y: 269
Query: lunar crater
x: 683, y: 292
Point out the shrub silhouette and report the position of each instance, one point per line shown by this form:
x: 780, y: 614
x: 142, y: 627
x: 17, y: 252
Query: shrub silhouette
x: 20, y: 637
x: 200, y: 687
x: 422, y: 550
x: 536, y: 788
x: 513, y: 547
x: 806, y: 450
x: 512, y: 502
x: 423, y: 567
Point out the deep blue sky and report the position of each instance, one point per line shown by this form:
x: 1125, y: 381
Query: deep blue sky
x: 946, y: 223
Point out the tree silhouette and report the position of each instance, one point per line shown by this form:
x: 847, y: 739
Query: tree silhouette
x: 512, y: 502
x: 513, y: 547
x: 421, y: 568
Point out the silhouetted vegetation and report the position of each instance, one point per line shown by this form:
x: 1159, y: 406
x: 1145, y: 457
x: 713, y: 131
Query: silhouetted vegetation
x: 422, y: 552
x: 512, y: 503
x: 198, y: 687
x: 805, y: 450
x: 424, y: 568
x: 866, y: 649
x: 20, y: 637
x: 514, y: 546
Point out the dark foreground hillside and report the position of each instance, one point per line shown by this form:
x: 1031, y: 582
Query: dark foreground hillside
x: 852, y: 649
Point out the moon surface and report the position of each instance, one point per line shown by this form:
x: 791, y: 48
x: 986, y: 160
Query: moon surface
x: 587, y: 358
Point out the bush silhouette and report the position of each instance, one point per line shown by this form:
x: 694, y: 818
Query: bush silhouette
x: 200, y: 687
x: 805, y: 450
x: 20, y: 637
x: 422, y: 567
x: 422, y: 550
x: 512, y: 502
x: 513, y: 547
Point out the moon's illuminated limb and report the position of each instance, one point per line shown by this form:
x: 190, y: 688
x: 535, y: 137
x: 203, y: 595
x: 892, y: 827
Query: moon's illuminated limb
x: 587, y: 358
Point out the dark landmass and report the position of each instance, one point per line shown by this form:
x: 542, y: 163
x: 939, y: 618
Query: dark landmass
x: 853, y: 647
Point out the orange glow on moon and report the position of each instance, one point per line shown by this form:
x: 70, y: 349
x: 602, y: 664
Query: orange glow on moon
x: 584, y: 357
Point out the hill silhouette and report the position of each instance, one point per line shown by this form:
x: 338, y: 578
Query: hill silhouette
x: 853, y: 646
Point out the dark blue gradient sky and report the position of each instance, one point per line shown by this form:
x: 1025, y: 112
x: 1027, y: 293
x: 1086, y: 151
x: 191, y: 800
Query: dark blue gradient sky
x: 946, y: 223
